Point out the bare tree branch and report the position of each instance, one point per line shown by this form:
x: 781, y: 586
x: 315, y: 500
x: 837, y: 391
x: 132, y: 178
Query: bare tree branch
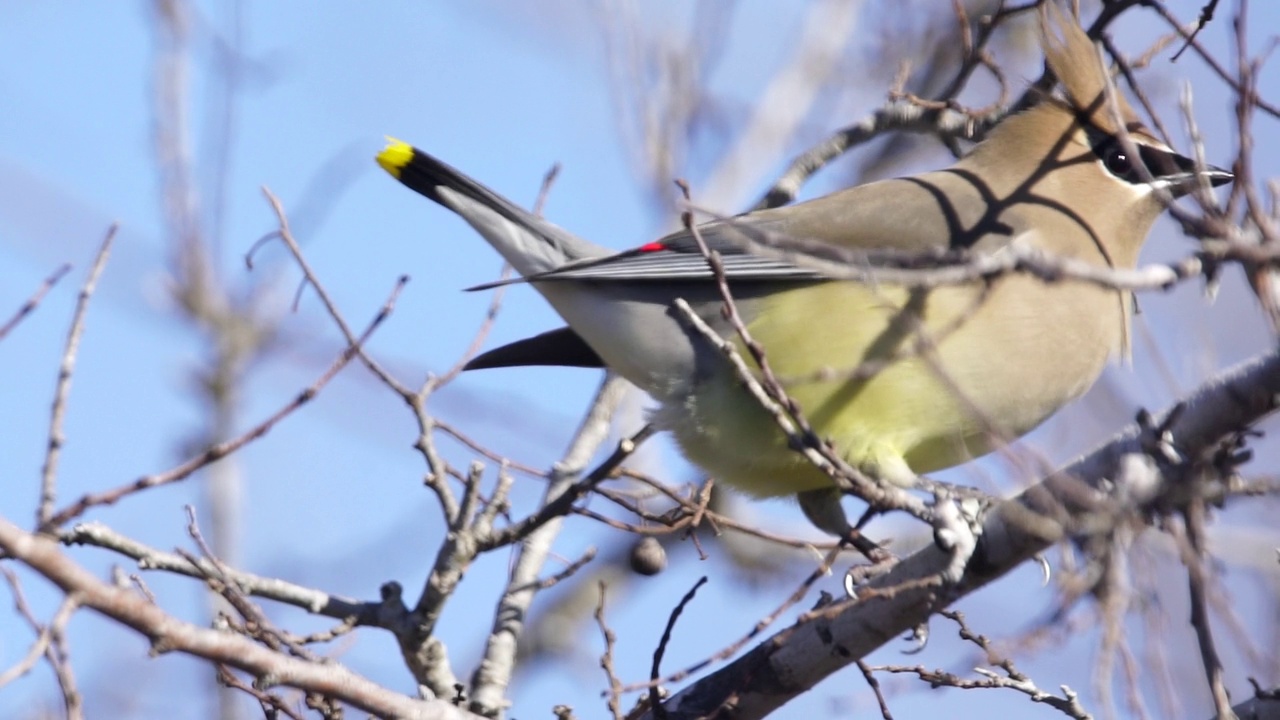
x: 168, y: 634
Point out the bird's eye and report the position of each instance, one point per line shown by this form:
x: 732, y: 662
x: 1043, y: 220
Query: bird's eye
x: 1118, y: 163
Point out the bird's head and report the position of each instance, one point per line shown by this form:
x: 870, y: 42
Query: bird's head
x: 1088, y: 150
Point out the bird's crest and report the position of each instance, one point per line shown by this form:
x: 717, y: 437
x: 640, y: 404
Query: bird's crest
x: 1074, y: 59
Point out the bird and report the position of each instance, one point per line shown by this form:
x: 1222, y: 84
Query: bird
x: 1076, y: 176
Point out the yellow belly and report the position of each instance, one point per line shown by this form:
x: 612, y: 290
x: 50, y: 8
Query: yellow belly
x: 950, y: 375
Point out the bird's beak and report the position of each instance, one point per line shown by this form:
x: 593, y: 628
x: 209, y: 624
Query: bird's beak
x: 1187, y: 177
x: 1217, y: 176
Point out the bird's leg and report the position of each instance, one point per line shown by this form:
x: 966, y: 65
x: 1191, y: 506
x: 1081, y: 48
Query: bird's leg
x: 866, y: 517
x: 824, y: 510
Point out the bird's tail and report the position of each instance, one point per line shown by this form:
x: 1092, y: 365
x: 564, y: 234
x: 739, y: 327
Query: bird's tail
x: 532, y: 245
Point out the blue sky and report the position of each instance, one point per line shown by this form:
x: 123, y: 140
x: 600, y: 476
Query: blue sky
x: 333, y: 495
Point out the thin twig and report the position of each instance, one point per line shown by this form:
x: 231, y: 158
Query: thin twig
x: 563, y: 502
x: 49, y: 476
x: 1193, y: 557
x: 614, y: 696
x: 271, y: 703
x: 569, y: 571
x: 222, y: 449
x: 149, y: 558
x: 655, y: 668
x: 1206, y: 16
x: 285, y: 235
x: 822, y: 570
x: 32, y: 302
x: 1222, y: 73
x: 869, y: 675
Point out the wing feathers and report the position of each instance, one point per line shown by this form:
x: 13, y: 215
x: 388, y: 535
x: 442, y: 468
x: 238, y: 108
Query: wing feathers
x: 562, y: 347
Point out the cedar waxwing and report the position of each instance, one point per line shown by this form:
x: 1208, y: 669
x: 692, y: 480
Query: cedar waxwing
x: 1003, y: 355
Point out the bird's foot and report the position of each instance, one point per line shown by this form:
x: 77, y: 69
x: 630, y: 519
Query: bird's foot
x: 960, y: 492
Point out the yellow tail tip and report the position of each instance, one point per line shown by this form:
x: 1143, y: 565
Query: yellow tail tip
x: 395, y: 156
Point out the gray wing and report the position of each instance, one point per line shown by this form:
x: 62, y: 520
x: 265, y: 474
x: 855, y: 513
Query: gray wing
x: 852, y: 225
x: 677, y: 258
